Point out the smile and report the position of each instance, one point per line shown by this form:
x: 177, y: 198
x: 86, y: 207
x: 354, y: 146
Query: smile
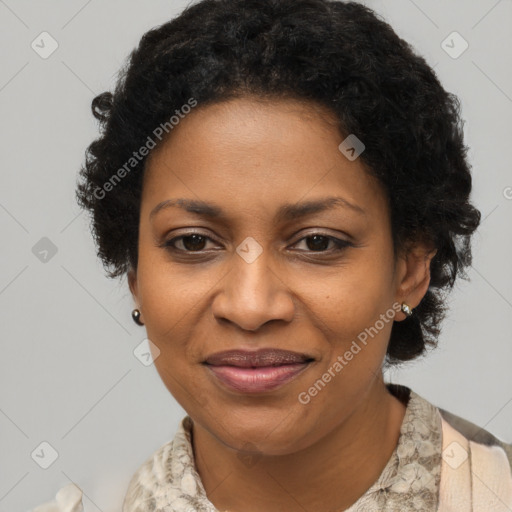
x: 259, y: 379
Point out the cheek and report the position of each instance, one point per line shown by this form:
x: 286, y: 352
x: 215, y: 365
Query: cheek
x: 354, y: 312
x: 170, y: 294
x: 352, y: 297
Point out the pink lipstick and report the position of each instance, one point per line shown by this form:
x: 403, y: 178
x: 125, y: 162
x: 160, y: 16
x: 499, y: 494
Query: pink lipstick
x: 257, y: 371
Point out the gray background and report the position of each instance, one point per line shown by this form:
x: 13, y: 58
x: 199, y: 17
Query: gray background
x: 68, y: 372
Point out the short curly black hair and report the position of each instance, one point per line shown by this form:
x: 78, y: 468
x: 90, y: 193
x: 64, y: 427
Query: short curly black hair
x: 340, y: 55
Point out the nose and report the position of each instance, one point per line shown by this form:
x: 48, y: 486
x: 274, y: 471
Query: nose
x: 253, y: 293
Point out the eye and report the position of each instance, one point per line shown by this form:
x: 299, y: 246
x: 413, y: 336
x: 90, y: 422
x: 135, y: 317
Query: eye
x: 191, y: 242
x: 319, y: 242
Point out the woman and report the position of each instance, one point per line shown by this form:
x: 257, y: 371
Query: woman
x: 285, y: 185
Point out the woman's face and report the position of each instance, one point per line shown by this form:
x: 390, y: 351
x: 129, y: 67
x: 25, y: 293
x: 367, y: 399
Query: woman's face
x: 265, y: 272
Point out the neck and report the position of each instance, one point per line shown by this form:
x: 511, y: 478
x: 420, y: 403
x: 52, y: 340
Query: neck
x: 331, y: 474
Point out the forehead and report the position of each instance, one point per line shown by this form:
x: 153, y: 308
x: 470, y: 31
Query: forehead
x: 255, y: 127
x: 249, y: 150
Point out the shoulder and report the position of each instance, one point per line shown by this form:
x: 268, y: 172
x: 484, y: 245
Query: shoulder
x: 476, y: 434
x: 435, y: 416
x: 476, y: 469
x: 475, y: 465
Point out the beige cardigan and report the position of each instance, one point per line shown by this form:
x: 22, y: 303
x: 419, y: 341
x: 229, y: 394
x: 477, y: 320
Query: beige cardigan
x: 474, y: 477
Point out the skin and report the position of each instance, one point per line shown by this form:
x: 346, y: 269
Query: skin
x: 269, y: 452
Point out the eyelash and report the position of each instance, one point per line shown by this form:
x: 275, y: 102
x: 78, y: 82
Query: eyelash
x: 340, y: 245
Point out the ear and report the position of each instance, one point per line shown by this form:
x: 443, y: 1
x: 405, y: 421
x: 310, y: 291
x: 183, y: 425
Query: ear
x: 413, y: 275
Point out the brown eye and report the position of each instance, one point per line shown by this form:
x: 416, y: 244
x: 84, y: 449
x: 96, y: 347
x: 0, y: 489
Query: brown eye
x: 320, y: 243
x: 193, y: 242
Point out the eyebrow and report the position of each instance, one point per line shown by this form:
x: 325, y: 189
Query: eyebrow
x: 286, y: 212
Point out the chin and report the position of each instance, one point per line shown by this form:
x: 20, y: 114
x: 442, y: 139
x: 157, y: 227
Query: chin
x: 271, y: 432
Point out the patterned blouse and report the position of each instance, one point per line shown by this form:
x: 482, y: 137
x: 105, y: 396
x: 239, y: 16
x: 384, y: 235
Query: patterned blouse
x: 168, y: 480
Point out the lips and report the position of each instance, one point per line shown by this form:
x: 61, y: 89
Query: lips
x: 258, y: 371
x: 258, y: 358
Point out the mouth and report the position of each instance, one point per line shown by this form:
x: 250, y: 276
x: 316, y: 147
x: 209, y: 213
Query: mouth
x: 257, y: 371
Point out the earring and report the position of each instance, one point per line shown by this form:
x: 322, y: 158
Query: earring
x: 406, y: 309
x: 136, y: 317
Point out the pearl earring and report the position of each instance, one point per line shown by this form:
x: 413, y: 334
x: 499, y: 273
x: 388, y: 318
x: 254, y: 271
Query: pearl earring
x: 136, y: 317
